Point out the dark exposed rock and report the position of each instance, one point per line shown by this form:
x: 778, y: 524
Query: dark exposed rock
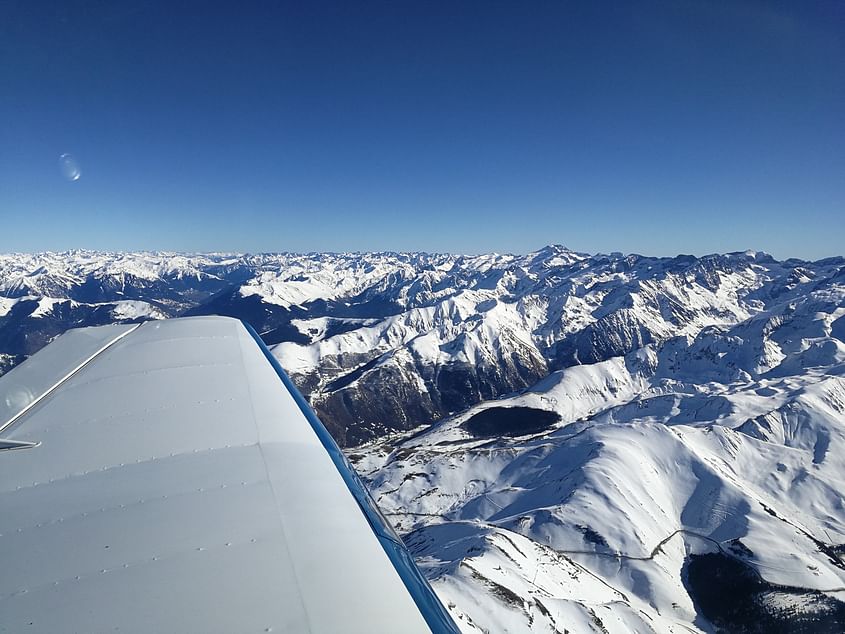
x: 731, y: 595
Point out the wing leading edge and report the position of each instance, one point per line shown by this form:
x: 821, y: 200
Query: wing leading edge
x: 176, y: 480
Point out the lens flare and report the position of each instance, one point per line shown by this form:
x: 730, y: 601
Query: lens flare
x: 69, y: 167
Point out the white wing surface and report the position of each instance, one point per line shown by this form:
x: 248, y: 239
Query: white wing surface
x: 168, y: 477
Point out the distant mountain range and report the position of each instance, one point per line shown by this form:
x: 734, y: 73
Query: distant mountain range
x: 383, y: 342
x: 620, y: 443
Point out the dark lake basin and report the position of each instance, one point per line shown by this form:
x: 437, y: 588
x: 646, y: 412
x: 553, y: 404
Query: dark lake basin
x: 510, y: 421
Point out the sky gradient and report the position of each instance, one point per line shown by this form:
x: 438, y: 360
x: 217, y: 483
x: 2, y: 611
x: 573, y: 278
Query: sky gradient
x: 649, y: 127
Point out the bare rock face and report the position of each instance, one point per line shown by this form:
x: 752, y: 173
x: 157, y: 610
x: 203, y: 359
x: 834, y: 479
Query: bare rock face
x: 390, y: 394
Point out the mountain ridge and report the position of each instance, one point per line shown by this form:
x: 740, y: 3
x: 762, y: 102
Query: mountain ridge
x: 450, y: 330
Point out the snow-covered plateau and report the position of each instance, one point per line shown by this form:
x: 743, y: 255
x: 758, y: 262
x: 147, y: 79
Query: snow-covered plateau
x: 567, y: 442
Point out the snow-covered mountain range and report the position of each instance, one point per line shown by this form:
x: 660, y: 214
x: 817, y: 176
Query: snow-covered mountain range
x: 620, y: 443
x: 671, y: 489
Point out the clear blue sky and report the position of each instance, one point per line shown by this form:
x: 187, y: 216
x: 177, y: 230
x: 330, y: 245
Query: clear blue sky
x: 651, y: 127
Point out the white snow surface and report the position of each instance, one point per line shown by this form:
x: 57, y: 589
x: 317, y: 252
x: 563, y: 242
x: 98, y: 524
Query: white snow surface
x: 133, y: 309
x: 54, y: 273
x: 731, y: 435
x: 546, y: 309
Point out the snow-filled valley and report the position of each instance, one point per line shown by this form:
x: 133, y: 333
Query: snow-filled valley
x: 566, y: 441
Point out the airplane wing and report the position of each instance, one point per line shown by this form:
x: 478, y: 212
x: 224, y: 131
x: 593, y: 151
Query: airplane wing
x: 168, y: 477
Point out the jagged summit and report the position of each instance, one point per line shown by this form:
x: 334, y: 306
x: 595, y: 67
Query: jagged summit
x: 552, y: 249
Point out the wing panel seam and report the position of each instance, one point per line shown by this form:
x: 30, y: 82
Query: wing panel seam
x: 17, y: 417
